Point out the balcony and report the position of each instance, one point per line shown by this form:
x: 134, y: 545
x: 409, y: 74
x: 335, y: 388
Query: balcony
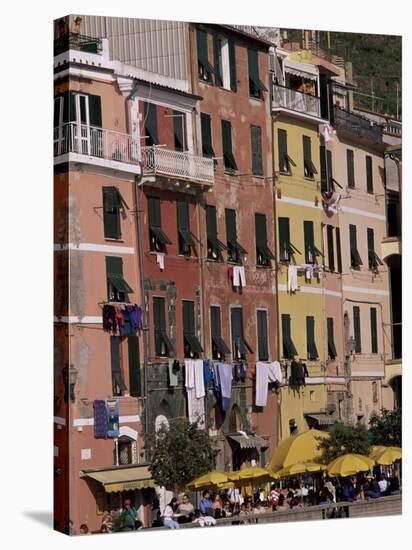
x: 75, y: 41
x: 98, y: 146
x: 158, y: 161
x: 357, y: 125
x: 292, y: 100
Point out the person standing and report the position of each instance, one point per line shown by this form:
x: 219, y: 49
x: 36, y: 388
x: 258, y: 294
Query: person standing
x: 128, y: 517
x: 169, y: 515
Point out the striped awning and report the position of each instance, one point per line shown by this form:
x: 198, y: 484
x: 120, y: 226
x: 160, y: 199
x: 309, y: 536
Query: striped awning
x: 305, y: 70
x: 123, y: 479
x: 323, y: 419
x: 249, y: 441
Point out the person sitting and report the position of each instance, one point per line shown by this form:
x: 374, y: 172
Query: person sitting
x: 107, y: 522
x: 372, y: 488
x: 169, y: 515
x: 128, y: 517
x: 394, y: 485
x: 206, y: 505
x: 185, y: 510
x: 348, y: 491
x: 217, y: 507
x: 383, y: 484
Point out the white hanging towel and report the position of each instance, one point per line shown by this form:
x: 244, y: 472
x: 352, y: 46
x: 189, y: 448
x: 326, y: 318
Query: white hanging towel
x: 189, y: 373
x: 239, y: 278
x: 275, y: 372
x: 196, y: 408
x: 265, y: 373
x: 160, y: 260
x: 199, y: 378
x: 292, y: 278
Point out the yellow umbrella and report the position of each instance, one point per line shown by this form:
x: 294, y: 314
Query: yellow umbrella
x: 300, y: 468
x: 248, y: 473
x: 349, y: 464
x: 208, y: 480
x: 387, y: 455
x: 375, y: 449
x: 303, y: 447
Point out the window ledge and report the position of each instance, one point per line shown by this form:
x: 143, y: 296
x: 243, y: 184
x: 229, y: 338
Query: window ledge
x: 113, y: 240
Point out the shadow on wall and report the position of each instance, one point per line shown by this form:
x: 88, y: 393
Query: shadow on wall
x: 43, y: 518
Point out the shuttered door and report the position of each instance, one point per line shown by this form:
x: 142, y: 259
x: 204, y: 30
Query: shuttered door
x: 309, y: 241
x: 159, y: 322
x: 350, y: 168
x: 179, y: 130
x: 95, y: 111
x: 262, y: 333
x: 331, y: 251
x: 374, y: 331
x: 283, y: 151
x: 256, y: 139
x: 338, y: 250
x: 357, y: 329
x: 369, y: 178
x: 232, y: 63
x: 134, y: 366
x: 150, y: 116
x: 352, y: 244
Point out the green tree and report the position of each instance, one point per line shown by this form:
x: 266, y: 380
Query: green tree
x: 386, y: 428
x: 179, y: 453
x: 344, y: 439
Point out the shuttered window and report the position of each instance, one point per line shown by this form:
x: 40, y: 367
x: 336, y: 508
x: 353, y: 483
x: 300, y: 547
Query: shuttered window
x: 326, y: 175
x: 111, y: 212
x: 183, y: 228
x: 286, y: 248
x: 135, y: 388
x: 214, y: 246
x: 219, y: 347
x: 262, y: 335
x: 374, y: 331
x: 239, y: 345
x: 232, y: 65
x: 263, y: 254
x: 234, y: 250
x: 163, y: 345
x: 228, y: 158
x: 217, y: 45
x: 357, y: 329
x: 207, y: 148
x: 373, y: 259
x: 329, y: 167
x: 158, y: 238
x: 205, y: 68
x: 310, y: 338
x: 355, y: 259
x: 285, y: 162
x: 331, y: 339
x: 289, y: 350
x: 117, y: 288
x: 309, y: 168
x: 150, y: 124
x: 350, y: 168
x: 179, y: 131
x: 331, y: 251
x: 191, y: 344
x: 118, y: 385
x: 311, y: 251
x: 338, y: 250
x: 256, y: 139
x: 369, y: 177
x: 256, y: 86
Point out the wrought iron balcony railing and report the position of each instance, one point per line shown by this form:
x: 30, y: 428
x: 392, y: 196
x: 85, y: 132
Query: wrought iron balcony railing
x: 358, y: 125
x: 75, y: 41
x: 287, y: 98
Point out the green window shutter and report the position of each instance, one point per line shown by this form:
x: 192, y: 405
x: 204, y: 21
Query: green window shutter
x: 216, y: 53
x: 163, y: 346
x: 211, y: 224
x: 331, y: 251
x: 150, y: 117
x: 338, y: 250
x: 118, y: 384
x: 231, y: 234
x: 95, y: 110
x: 289, y: 350
x: 188, y: 317
x: 329, y: 166
x: 357, y: 329
x: 256, y: 139
x: 283, y: 151
x: 111, y: 212
x: 323, y: 169
x: 207, y: 148
x: 262, y: 334
x: 56, y: 112
x: 309, y: 242
x: 374, y: 331
x: 215, y: 327
x: 310, y: 338
x: 284, y: 238
x: 260, y: 228
x: 228, y: 158
x: 307, y: 157
x: 179, y: 131
x: 69, y: 106
x: 369, y: 177
x: 232, y: 63
x: 205, y: 68
x: 114, y: 274
x: 355, y: 257
x: 134, y: 366
x: 154, y: 211
x: 371, y: 239
x: 183, y: 227
x: 256, y: 86
x: 331, y: 339
x: 218, y: 344
x: 239, y: 345
x: 350, y: 168
x: 114, y: 266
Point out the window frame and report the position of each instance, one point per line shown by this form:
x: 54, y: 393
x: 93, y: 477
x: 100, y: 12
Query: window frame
x: 218, y: 345
x: 355, y: 258
x: 112, y: 204
x: 256, y: 86
x: 311, y: 349
x: 262, y: 340
x: 263, y: 253
x: 229, y: 162
x: 185, y: 237
x: 115, y: 279
x: 214, y: 245
x: 309, y: 169
x: 256, y: 149
x: 191, y: 344
x: 157, y: 237
x: 163, y: 346
x: 235, y: 251
x: 241, y: 348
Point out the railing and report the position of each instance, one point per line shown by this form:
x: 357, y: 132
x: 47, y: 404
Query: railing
x: 177, y: 164
x: 295, y: 101
x: 393, y: 127
x: 95, y: 142
x: 358, y: 125
x: 75, y: 41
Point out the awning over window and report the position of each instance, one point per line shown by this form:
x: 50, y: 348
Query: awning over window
x: 249, y: 441
x: 119, y: 283
x: 160, y: 235
x: 322, y: 419
x: 123, y: 479
x: 193, y: 342
x: 301, y: 69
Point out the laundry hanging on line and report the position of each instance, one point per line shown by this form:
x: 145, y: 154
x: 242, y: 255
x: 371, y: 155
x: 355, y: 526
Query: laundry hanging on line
x: 122, y: 319
x: 265, y: 373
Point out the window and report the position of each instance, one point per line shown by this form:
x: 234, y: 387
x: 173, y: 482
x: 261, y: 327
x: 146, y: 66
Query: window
x: 309, y: 168
x: 326, y: 178
x: 256, y: 139
x: 263, y: 254
x: 150, y: 124
x: 158, y: 239
x: 179, y: 131
x: 214, y: 246
x: 289, y: 350
x: 205, y: 68
x: 338, y: 250
x: 286, y: 248
x: 127, y: 451
x: 117, y: 288
x: 311, y: 252
x: 234, y: 250
x: 285, y: 162
x: 357, y: 329
x: 374, y: 331
x: 183, y: 228
x: 118, y: 385
x: 191, y: 344
x: 163, y: 346
x: 331, y: 251
x: 228, y: 158
x: 369, y: 177
x: 111, y: 212
x: 350, y: 168
x: 207, y: 148
x: 262, y: 335
x: 219, y: 347
x: 331, y: 339
x: 355, y: 259
x: 225, y: 65
x: 373, y: 259
x: 239, y: 345
x: 310, y: 339
x: 256, y: 86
